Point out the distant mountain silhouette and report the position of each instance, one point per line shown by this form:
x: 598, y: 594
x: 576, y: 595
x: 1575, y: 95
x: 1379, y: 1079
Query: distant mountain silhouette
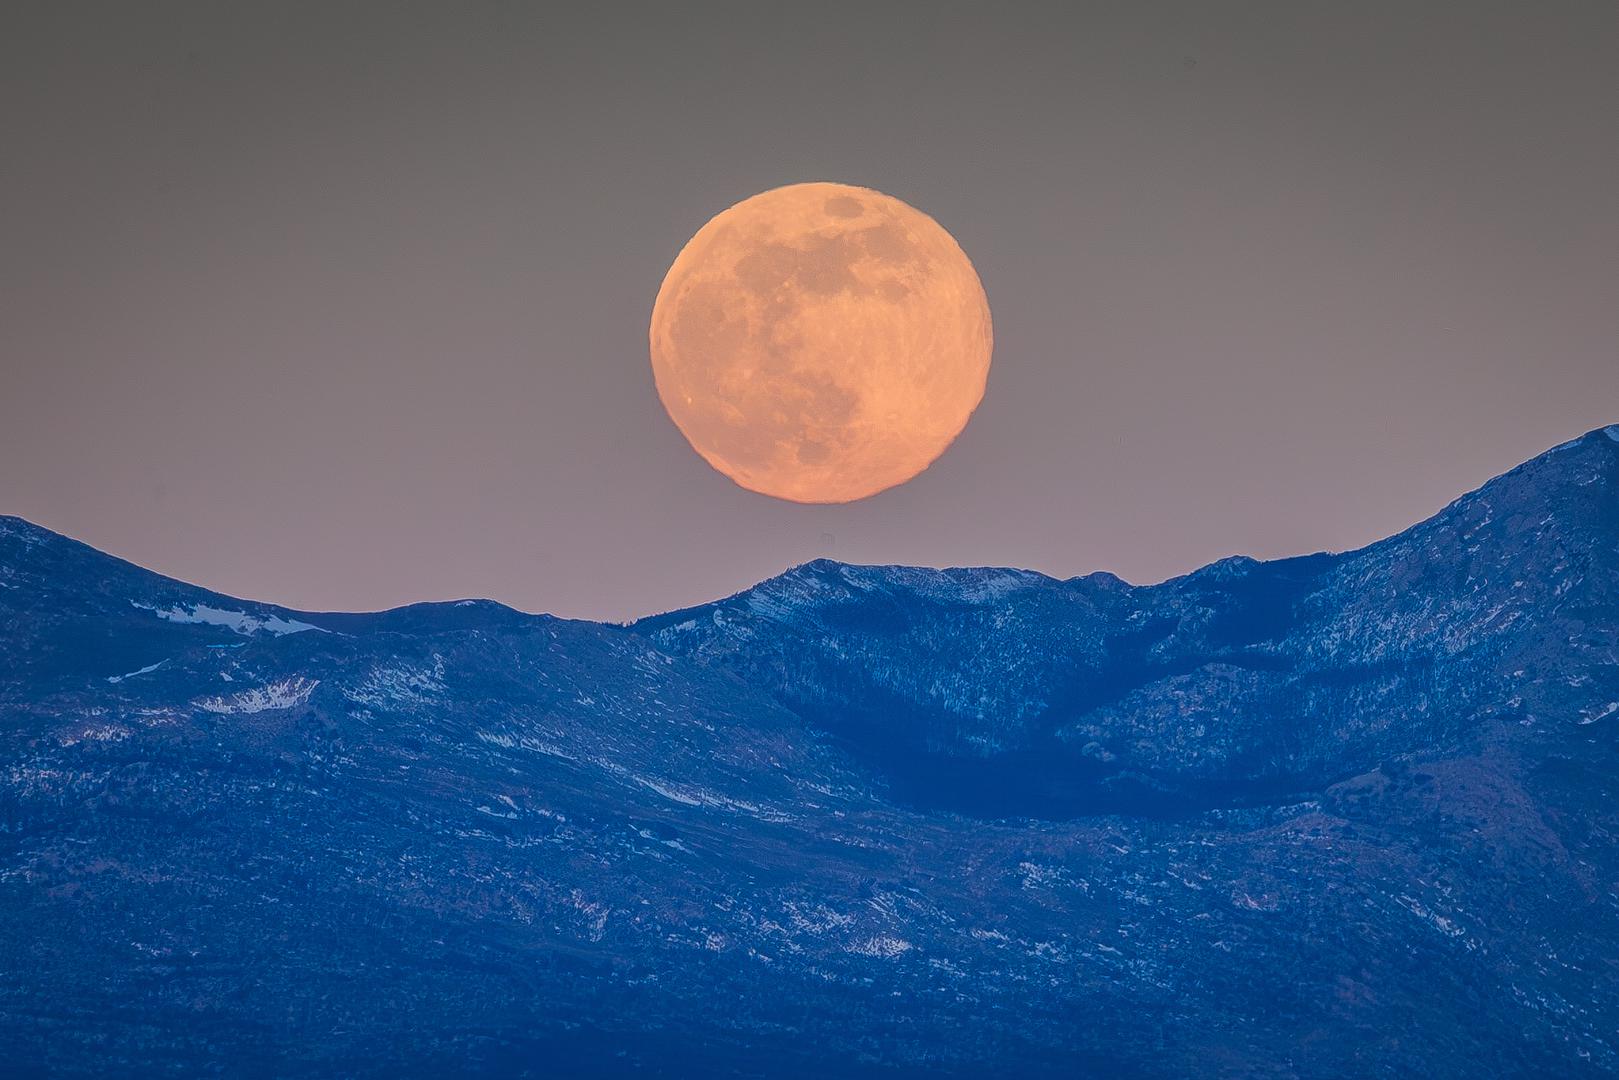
x: 1339, y: 815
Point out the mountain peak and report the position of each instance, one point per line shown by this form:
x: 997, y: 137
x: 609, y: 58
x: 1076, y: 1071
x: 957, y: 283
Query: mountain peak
x: 13, y: 526
x: 1600, y: 439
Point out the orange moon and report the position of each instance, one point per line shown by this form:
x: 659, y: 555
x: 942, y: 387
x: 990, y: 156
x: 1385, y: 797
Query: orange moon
x: 821, y: 342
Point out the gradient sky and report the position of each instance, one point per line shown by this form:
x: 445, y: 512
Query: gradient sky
x: 345, y: 305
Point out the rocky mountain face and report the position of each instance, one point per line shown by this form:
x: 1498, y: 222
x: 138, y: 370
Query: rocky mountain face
x: 1341, y: 815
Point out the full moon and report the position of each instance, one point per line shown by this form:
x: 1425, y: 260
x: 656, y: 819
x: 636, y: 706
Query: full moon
x: 821, y: 342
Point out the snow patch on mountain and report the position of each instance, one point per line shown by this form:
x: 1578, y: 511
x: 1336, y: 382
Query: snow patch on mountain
x: 399, y: 684
x: 102, y: 733
x: 1592, y: 716
x: 239, y: 622
x: 147, y: 670
x: 885, y: 946
x: 283, y: 694
x: 990, y: 585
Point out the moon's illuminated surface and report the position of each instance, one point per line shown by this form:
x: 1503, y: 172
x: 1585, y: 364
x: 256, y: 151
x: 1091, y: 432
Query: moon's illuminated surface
x: 821, y: 342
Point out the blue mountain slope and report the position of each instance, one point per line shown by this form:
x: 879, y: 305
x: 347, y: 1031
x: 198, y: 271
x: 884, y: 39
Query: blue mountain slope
x: 1341, y: 815
x: 1278, y: 675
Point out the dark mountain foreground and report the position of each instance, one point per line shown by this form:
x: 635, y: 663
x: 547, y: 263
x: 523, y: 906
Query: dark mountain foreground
x: 1336, y: 816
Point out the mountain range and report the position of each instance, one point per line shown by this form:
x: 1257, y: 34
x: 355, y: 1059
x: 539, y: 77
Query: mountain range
x: 1342, y: 815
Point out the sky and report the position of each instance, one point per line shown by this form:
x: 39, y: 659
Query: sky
x: 345, y: 306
